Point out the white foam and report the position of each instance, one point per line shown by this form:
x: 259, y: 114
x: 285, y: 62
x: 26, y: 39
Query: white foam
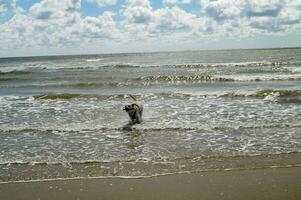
x: 272, y: 97
x: 94, y: 60
x: 262, y: 77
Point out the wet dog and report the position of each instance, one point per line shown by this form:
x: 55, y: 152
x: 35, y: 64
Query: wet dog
x: 135, y: 111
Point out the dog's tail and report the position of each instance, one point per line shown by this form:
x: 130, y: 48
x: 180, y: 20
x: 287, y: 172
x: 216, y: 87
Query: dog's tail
x: 135, y: 101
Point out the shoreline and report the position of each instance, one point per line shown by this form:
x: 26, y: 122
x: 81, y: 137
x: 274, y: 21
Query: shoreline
x: 267, y: 183
x: 152, y: 176
x: 35, y: 172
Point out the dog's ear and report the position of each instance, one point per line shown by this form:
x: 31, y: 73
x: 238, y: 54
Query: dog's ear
x: 136, y: 104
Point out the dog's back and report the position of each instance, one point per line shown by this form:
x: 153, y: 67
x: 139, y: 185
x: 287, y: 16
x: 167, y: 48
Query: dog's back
x: 135, y: 111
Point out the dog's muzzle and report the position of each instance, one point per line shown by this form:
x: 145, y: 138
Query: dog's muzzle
x: 128, y: 108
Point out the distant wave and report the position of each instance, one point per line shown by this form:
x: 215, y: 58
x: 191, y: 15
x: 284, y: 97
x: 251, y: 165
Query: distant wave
x: 94, y: 59
x: 125, y: 65
x: 259, y: 94
x: 270, y: 69
x: 280, y: 96
x: 80, y: 85
x: 83, y: 85
x: 95, y: 84
x: 15, y: 72
x: 281, y: 93
x: 70, y: 67
x: 7, y: 79
x: 275, y: 64
x: 266, y: 92
x: 149, y: 80
x: 258, y: 77
x: 221, y: 78
x: 279, y: 66
x: 293, y: 96
x: 68, y: 96
x: 53, y: 96
x: 184, y: 78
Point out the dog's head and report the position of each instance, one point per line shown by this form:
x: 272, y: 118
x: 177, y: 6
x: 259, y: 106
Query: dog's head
x: 131, y: 108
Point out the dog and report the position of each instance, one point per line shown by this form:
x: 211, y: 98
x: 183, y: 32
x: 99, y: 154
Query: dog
x: 135, y: 111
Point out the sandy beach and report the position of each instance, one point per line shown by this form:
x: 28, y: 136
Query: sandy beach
x: 272, y: 184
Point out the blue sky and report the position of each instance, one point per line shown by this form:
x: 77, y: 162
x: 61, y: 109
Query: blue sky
x: 51, y: 27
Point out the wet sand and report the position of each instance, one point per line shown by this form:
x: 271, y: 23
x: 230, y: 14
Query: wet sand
x: 269, y: 184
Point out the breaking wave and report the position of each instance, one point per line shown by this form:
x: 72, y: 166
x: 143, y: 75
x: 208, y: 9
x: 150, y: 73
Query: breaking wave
x: 263, y: 77
x: 281, y: 95
x: 15, y: 72
x: 276, y: 64
x: 96, y: 64
x: 68, y: 96
x: 93, y: 84
x: 125, y: 65
x: 58, y: 96
x: 94, y: 59
x: 161, y: 128
x: 184, y: 78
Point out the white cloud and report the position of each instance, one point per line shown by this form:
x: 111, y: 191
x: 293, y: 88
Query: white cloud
x: 60, y: 22
x: 222, y: 9
x: 56, y: 23
x: 138, y: 11
x: 142, y: 21
x: 228, y: 9
x: 176, y: 1
x: 55, y: 9
x: 97, y: 27
x: 263, y: 8
x: 275, y: 16
x: 102, y: 3
x: 173, y: 20
x: 256, y: 16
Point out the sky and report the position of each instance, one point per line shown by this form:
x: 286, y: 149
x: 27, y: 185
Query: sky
x: 60, y: 27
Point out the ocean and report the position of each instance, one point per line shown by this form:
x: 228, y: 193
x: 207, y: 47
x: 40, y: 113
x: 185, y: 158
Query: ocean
x: 62, y: 118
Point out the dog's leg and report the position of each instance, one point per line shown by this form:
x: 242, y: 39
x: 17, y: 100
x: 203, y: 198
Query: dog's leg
x: 128, y: 127
x: 139, y: 113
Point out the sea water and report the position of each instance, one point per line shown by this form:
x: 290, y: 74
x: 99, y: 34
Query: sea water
x: 62, y: 117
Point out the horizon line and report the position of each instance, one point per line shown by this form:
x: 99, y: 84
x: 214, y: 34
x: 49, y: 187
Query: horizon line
x: 145, y: 52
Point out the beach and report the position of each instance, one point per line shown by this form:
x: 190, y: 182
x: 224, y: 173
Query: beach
x: 259, y: 184
x: 221, y: 124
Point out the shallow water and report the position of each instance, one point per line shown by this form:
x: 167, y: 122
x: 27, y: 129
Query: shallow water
x: 203, y: 110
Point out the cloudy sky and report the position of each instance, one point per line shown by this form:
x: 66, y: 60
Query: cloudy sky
x: 48, y: 27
